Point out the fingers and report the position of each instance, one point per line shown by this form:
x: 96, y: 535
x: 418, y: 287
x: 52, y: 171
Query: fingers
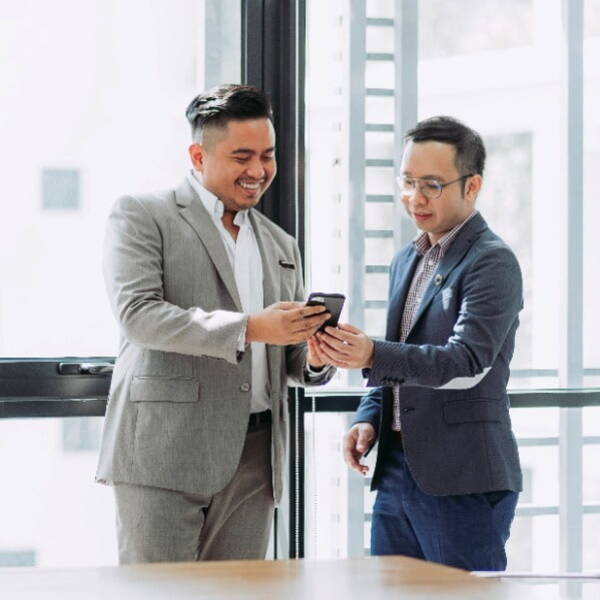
x: 315, y: 357
x: 307, y: 311
x: 351, y: 454
x: 287, y: 305
x: 350, y: 328
x: 350, y: 449
x: 341, y: 335
x: 334, y: 357
x: 344, y: 348
x: 315, y: 322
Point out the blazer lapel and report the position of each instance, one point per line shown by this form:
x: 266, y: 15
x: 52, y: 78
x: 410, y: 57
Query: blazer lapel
x: 269, y: 254
x: 399, y: 291
x: 193, y: 211
x: 456, y: 252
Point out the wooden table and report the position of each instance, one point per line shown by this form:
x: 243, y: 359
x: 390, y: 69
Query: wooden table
x: 377, y: 578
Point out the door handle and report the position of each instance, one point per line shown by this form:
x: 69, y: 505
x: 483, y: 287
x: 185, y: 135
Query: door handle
x: 85, y: 368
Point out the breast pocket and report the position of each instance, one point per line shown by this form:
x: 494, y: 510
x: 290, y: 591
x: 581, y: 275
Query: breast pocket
x: 288, y: 283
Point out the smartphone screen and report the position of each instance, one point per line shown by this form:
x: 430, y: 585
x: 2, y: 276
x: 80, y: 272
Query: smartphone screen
x: 332, y: 302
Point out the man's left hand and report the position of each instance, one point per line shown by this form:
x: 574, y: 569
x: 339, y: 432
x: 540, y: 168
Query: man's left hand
x: 346, y: 346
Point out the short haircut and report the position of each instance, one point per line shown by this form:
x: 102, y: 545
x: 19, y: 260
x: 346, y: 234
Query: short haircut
x: 470, y: 151
x: 219, y: 105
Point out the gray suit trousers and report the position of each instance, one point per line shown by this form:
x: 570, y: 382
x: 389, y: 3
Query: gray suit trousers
x: 156, y: 525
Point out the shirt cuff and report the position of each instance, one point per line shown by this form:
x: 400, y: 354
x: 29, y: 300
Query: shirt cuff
x: 314, y: 370
x: 242, y: 345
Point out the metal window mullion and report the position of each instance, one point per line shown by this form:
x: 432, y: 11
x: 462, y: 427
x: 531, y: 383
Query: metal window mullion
x: 356, y: 509
x: 406, y: 51
x: 356, y: 167
x: 571, y: 365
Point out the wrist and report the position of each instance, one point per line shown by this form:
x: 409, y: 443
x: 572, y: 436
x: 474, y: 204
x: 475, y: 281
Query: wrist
x: 251, y: 327
x: 316, y: 368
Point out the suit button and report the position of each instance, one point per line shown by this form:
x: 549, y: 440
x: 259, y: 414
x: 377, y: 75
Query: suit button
x: 408, y: 409
x: 245, y: 387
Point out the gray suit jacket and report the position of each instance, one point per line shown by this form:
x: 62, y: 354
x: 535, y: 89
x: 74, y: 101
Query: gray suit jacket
x: 453, y: 368
x: 180, y: 395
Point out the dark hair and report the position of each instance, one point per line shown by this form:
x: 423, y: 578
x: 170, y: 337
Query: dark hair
x: 470, y: 151
x: 224, y: 103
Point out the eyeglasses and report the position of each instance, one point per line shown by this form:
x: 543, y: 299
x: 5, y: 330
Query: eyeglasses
x: 430, y: 188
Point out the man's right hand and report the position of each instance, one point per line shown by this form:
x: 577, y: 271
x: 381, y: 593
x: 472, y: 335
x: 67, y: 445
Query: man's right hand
x: 357, y: 441
x: 285, y: 323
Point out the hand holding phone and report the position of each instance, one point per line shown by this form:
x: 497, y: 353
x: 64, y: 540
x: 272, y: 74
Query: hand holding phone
x: 333, y: 304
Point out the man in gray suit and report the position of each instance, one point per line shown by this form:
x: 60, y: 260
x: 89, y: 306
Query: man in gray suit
x: 195, y: 432
x: 447, y: 471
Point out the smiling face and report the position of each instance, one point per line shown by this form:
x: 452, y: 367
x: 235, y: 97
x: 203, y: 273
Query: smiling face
x: 237, y: 162
x: 435, y: 160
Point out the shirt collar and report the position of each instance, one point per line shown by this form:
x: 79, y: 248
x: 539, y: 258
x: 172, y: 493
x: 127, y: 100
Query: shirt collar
x: 422, y: 244
x: 213, y: 205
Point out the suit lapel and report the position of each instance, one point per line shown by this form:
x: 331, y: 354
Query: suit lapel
x: 456, y: 252
x: 398, y: 295
x: 193, y: 211
x: 269, y: 254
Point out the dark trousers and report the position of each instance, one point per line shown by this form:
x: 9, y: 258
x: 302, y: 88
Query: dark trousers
x: 467, y: 531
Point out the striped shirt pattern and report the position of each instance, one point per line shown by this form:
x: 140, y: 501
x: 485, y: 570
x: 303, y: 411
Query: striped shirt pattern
x: 430, y: 259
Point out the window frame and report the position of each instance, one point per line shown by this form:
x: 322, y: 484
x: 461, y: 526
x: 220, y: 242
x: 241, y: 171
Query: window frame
x: 273, y: 58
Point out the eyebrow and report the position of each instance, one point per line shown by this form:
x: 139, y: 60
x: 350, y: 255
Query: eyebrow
x: 436, y: 177
x: 250, y: 151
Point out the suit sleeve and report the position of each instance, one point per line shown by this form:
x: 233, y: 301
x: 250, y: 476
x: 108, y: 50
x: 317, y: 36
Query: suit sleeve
x: 295, y: 354
x: 369, y: 409
x: 133, y: 275
x: 492, y: 298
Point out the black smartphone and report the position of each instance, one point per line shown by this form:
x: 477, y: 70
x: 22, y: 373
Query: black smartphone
x: 332, y: 302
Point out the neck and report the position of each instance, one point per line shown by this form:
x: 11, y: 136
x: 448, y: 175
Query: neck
x: 230, y: 226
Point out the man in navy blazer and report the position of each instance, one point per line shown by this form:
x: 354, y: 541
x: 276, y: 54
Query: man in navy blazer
x: 447, y: 473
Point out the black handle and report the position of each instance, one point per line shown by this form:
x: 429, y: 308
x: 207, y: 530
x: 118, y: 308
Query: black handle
x: 104, y: 368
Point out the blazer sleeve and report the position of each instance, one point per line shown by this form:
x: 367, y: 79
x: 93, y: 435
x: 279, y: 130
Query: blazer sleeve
x: 369, y: 409
x: 133, y: 275
x: 295, y: 354
x: 491, y: 300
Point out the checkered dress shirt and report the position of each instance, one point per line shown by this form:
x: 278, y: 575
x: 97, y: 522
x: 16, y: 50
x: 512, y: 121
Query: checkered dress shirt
x: 430, y: 259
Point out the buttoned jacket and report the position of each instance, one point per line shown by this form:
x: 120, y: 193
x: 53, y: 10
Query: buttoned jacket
x: 179, y: 400
x: 453, y: 369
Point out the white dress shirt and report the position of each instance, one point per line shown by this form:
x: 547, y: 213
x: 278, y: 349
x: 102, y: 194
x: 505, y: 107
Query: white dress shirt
x: 246, y: 262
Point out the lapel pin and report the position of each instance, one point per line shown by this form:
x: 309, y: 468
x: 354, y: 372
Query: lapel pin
x: 438, y: 279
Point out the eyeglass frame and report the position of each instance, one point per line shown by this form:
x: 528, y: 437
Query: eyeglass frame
x: 418, y: 180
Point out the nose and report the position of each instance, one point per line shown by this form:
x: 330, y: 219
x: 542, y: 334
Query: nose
x: 417, y: 197
x: 255, y: 169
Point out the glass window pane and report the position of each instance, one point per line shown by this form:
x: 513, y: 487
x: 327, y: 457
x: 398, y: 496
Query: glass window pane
x: 338, y: 500
x: 591, y: 547
x: 80, y: 128
x: 522, y: 194
x: 443, y: 23
x: 533, y: 544
x: 591, y: 22
x: 591, y: 475
x: 505, y: 79
x: 52, y: 514
x: 591, y: 160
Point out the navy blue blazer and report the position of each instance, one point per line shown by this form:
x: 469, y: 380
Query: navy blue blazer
x: 453, y: 368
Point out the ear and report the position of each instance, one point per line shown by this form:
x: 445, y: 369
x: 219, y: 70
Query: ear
x: 474, y: 184
x: 197, y: 155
